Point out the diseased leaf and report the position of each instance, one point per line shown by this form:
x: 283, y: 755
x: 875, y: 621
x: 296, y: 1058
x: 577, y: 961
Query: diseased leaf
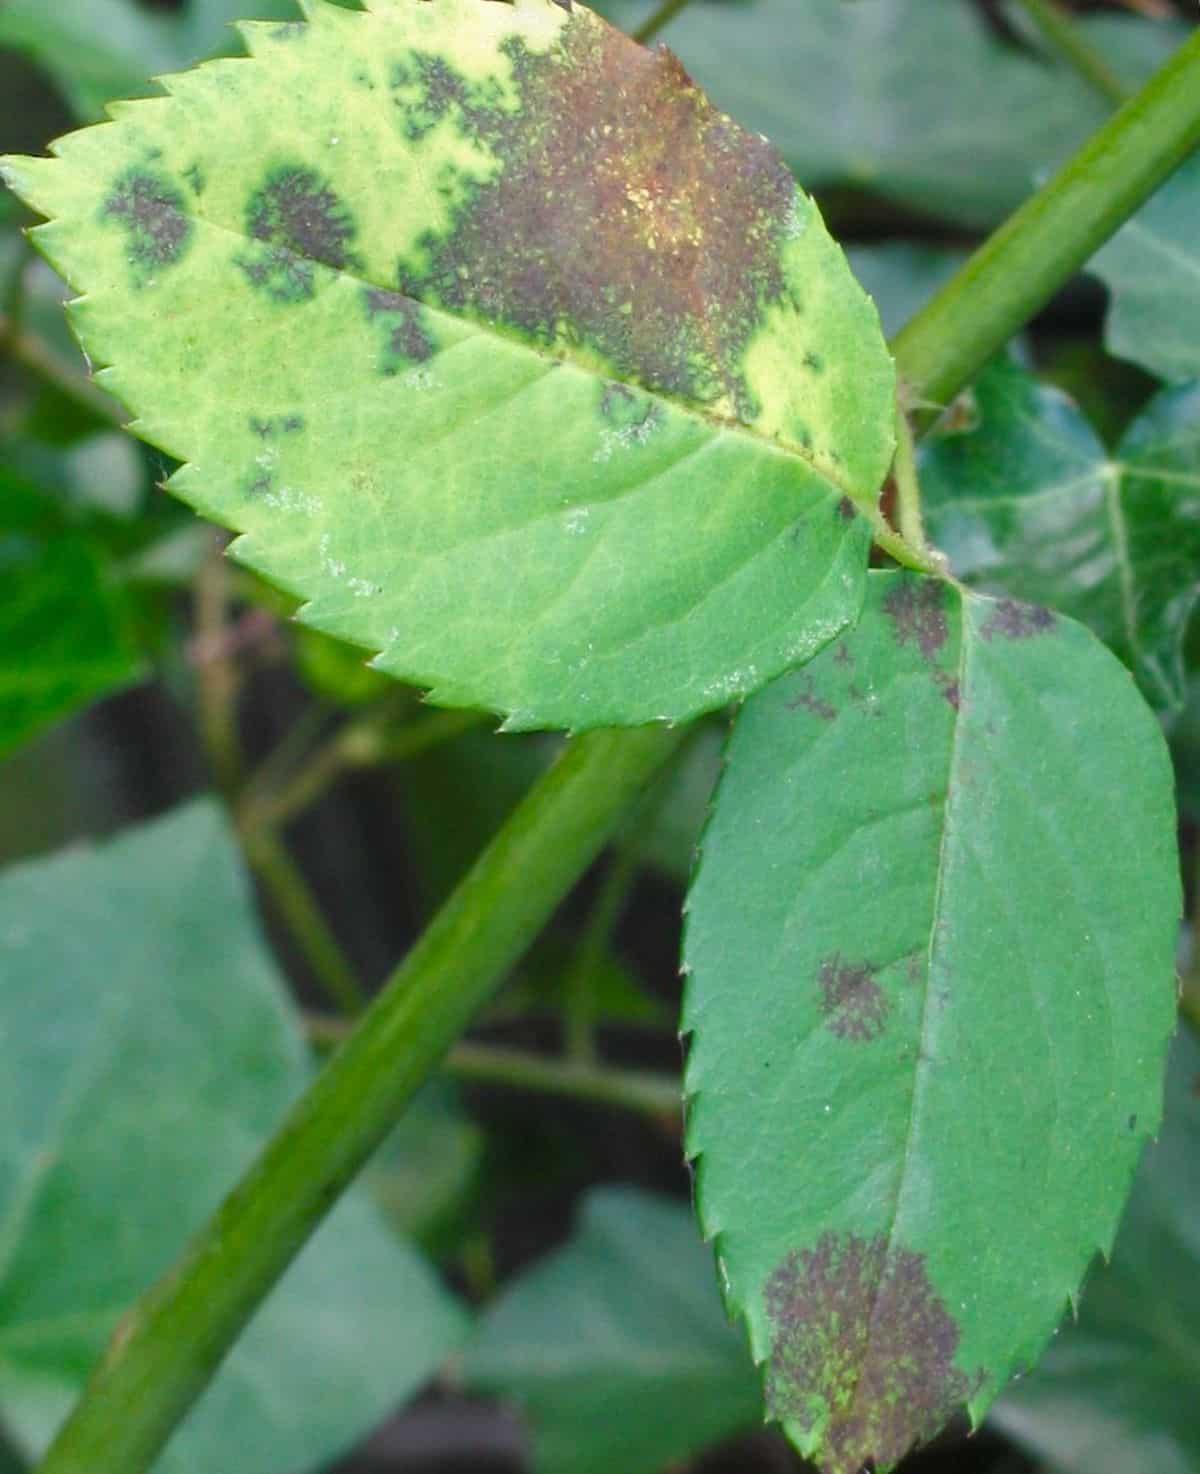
x: 616, y: 1347
x: 141, y: 1067
x: 100, y: 49
x: 1116, y: 1392
x: 861, y: 95
x: 1152, y: 269
x: 931, y: 945
x: 1028, y: 503
x: 571, y: 433
x: 64, y: 636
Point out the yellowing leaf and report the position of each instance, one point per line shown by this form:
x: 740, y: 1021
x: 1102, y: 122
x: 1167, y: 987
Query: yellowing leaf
x: 529, y: 369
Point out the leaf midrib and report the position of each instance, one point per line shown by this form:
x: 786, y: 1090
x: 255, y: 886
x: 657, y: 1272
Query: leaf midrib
x: 764, y: 443
x: 922, y: 1064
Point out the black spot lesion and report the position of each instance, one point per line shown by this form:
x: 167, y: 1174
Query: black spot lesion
x: 814, y: 363
x: 407, y: 340
x: 852, y: 1002
x: 806, y: 699
x: 916, y: 608
x: 259, y: 481
x: 150, y: 208
x: 1011, y: 620
x: 196, y: 178
x: 426, y: 89
x: 268, y: 427
x: 295, y: 221
x: 862, y: 1342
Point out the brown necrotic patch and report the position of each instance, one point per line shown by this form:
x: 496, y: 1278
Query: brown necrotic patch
x: 295, y: 219
x: 862, y: 1342
x: 407, y: 341
x: 916, y: 607
x: 150, y: 209
x: 1013, y: 621
x: 628, y: 219
x: 854, y: 1005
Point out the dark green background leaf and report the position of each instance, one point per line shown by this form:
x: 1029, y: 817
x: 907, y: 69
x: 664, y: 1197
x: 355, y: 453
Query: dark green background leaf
x: 98, y: 50
x: 1029, y: 503
x: 146, y: 1051
x: 64, y: 628
x: 616, y: 1347
x: 1116, y: 1392
x: 1152, y: 269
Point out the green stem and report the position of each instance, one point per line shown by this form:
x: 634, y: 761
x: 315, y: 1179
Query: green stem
x: 1072, y: 45
x: 908, y: 490
x: 487, y: 1064
x: 1016, y: 272
x: 360, y: 744
x: 216, y: 675
x: 167, y: 1348
x: 593, y: 948
x: 922, y: 560
x: 285, y: 884
x: 665, y: 13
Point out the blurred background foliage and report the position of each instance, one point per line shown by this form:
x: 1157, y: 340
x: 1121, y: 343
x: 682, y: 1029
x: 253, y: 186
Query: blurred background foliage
x: 520, y: 1258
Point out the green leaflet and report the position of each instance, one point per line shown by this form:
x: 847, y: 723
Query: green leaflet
x: 860, y: 94
x: 931, y: 945
x: 567, y: 422
x: 615, y: 1348
x: 1117, y: 1391
x: 1152, y: 269
x: 141, y: 1067
x: 1028, y: 502
x: 64, y: 636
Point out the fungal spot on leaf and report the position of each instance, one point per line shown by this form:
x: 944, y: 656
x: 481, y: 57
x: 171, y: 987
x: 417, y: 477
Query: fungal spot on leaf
x: 950, y: 689
x: 150, y: 208
x: 629, y: 419
x: 196, y: 178
x: 843, y: 655
x: 261, y: 480
x: 628, y: 221
x: 267, y: 429
x: 1012, y: 621
x: 855, y: 1006
x: 426, y: 89
x: 814, y: 362
x: 863, y: 1345
x: 845, y: 509
x: 915, y: 607
x: 295, y: 219
x: 807, y: 700
x: 407, y: 341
